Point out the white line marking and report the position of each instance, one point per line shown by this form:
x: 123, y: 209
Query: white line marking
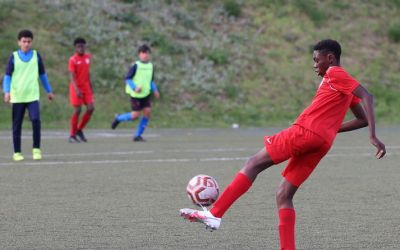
x: 364, y: 147
x: 102, y: 153
x: 168, y: 160
x: 41, y: 163
x: 209, y: 150
x: 62, y: 135
x: 92, y: 154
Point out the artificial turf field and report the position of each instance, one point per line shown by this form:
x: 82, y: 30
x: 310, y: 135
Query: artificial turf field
x: 112, y: 193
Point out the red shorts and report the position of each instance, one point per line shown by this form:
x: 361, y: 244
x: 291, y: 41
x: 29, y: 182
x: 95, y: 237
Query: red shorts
x: 85, y: 99
x: 302, y: 147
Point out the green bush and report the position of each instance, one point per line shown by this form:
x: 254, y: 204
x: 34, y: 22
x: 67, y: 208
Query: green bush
x: 273, y: 3
x: 394, y: 32
x: 256, y: 71
x: 232, y: 8
x: 232, y: 91
x: 311, y: 9
x: 130, y: 1
x: 396, y: 3
x: 128, y: 18
x: 161, y: 41
x: 218, y: 56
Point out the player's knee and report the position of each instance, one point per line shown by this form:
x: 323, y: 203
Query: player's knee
x: 147, y: 114
x: 249, y: 164
x: 90, y: 109
x: 252, y: 165
x: 35, y: 121
x: 77, y: 110
x: 282, y: 196
x: 134, y: 115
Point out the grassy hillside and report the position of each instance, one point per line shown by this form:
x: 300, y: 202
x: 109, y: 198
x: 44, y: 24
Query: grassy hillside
x: 217, y: 62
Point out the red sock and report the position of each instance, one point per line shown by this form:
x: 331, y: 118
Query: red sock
x: 287, y: 218
x: 85, y: 120
x: 74, y: 123
x: 239, y: 185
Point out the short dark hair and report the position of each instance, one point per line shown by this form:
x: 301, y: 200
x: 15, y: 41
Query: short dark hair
x: 144, y: 48
x: 25, y: 33
x: 329, y: 45
x: 79, y: 40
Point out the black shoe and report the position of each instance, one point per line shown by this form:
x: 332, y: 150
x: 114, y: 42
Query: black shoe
x: 115, y: 123
x: 73, y: 139
x: 81, y: 136
x: 138, y: 138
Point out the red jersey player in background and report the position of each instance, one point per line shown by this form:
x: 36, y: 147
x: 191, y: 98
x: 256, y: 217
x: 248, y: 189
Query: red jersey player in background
x: 80, y: 90
x: 303, y: 144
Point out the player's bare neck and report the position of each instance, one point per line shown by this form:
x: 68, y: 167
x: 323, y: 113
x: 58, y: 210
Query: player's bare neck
x: 334, y: 64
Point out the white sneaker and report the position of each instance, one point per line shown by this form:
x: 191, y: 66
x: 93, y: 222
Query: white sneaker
x: 212, y: 223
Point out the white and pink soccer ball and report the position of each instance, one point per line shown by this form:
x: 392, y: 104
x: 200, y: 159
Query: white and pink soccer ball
x: 202, y: 190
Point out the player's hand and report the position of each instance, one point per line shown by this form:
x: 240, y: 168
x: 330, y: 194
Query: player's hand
x: 157, y: 94
x: 7, y: 98
x: 50, y: 96
x: 138, y: 89
x: 78, y: 93
x: 379, y: 146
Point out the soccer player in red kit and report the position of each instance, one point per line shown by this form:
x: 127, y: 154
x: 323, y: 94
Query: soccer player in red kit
x: 304, y: 144
x: 80, y: 89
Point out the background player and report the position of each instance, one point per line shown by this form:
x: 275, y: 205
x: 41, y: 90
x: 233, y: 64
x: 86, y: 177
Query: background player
x: 304, y: 143
x: 21, y: 88
x: 139, y: 85
x: 80, y: 90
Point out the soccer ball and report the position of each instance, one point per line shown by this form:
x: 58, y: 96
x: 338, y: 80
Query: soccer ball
x: 202, y: 190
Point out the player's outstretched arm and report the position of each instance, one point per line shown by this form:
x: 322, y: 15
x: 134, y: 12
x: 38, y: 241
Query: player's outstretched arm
x: 360, y: 120
x: 368, y: 103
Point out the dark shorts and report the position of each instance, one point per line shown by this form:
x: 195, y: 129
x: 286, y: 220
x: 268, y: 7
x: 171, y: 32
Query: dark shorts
x: 139, y: 104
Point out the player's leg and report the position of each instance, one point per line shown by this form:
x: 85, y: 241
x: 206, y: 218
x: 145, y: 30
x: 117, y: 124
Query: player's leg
x: 85, y: 119
x: 74, y: 124
x: 242, y: 182
x: 129, y: 116
x: 284, y: 194
x: 76, y: 102
x: 126, y: 117
x: 296, y: 172
x: 286, y: 214
x: 239, y: 185
x: 144, y: 121
x: 18, y: 113
x: 274, y: 152
x: 34, y: 116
